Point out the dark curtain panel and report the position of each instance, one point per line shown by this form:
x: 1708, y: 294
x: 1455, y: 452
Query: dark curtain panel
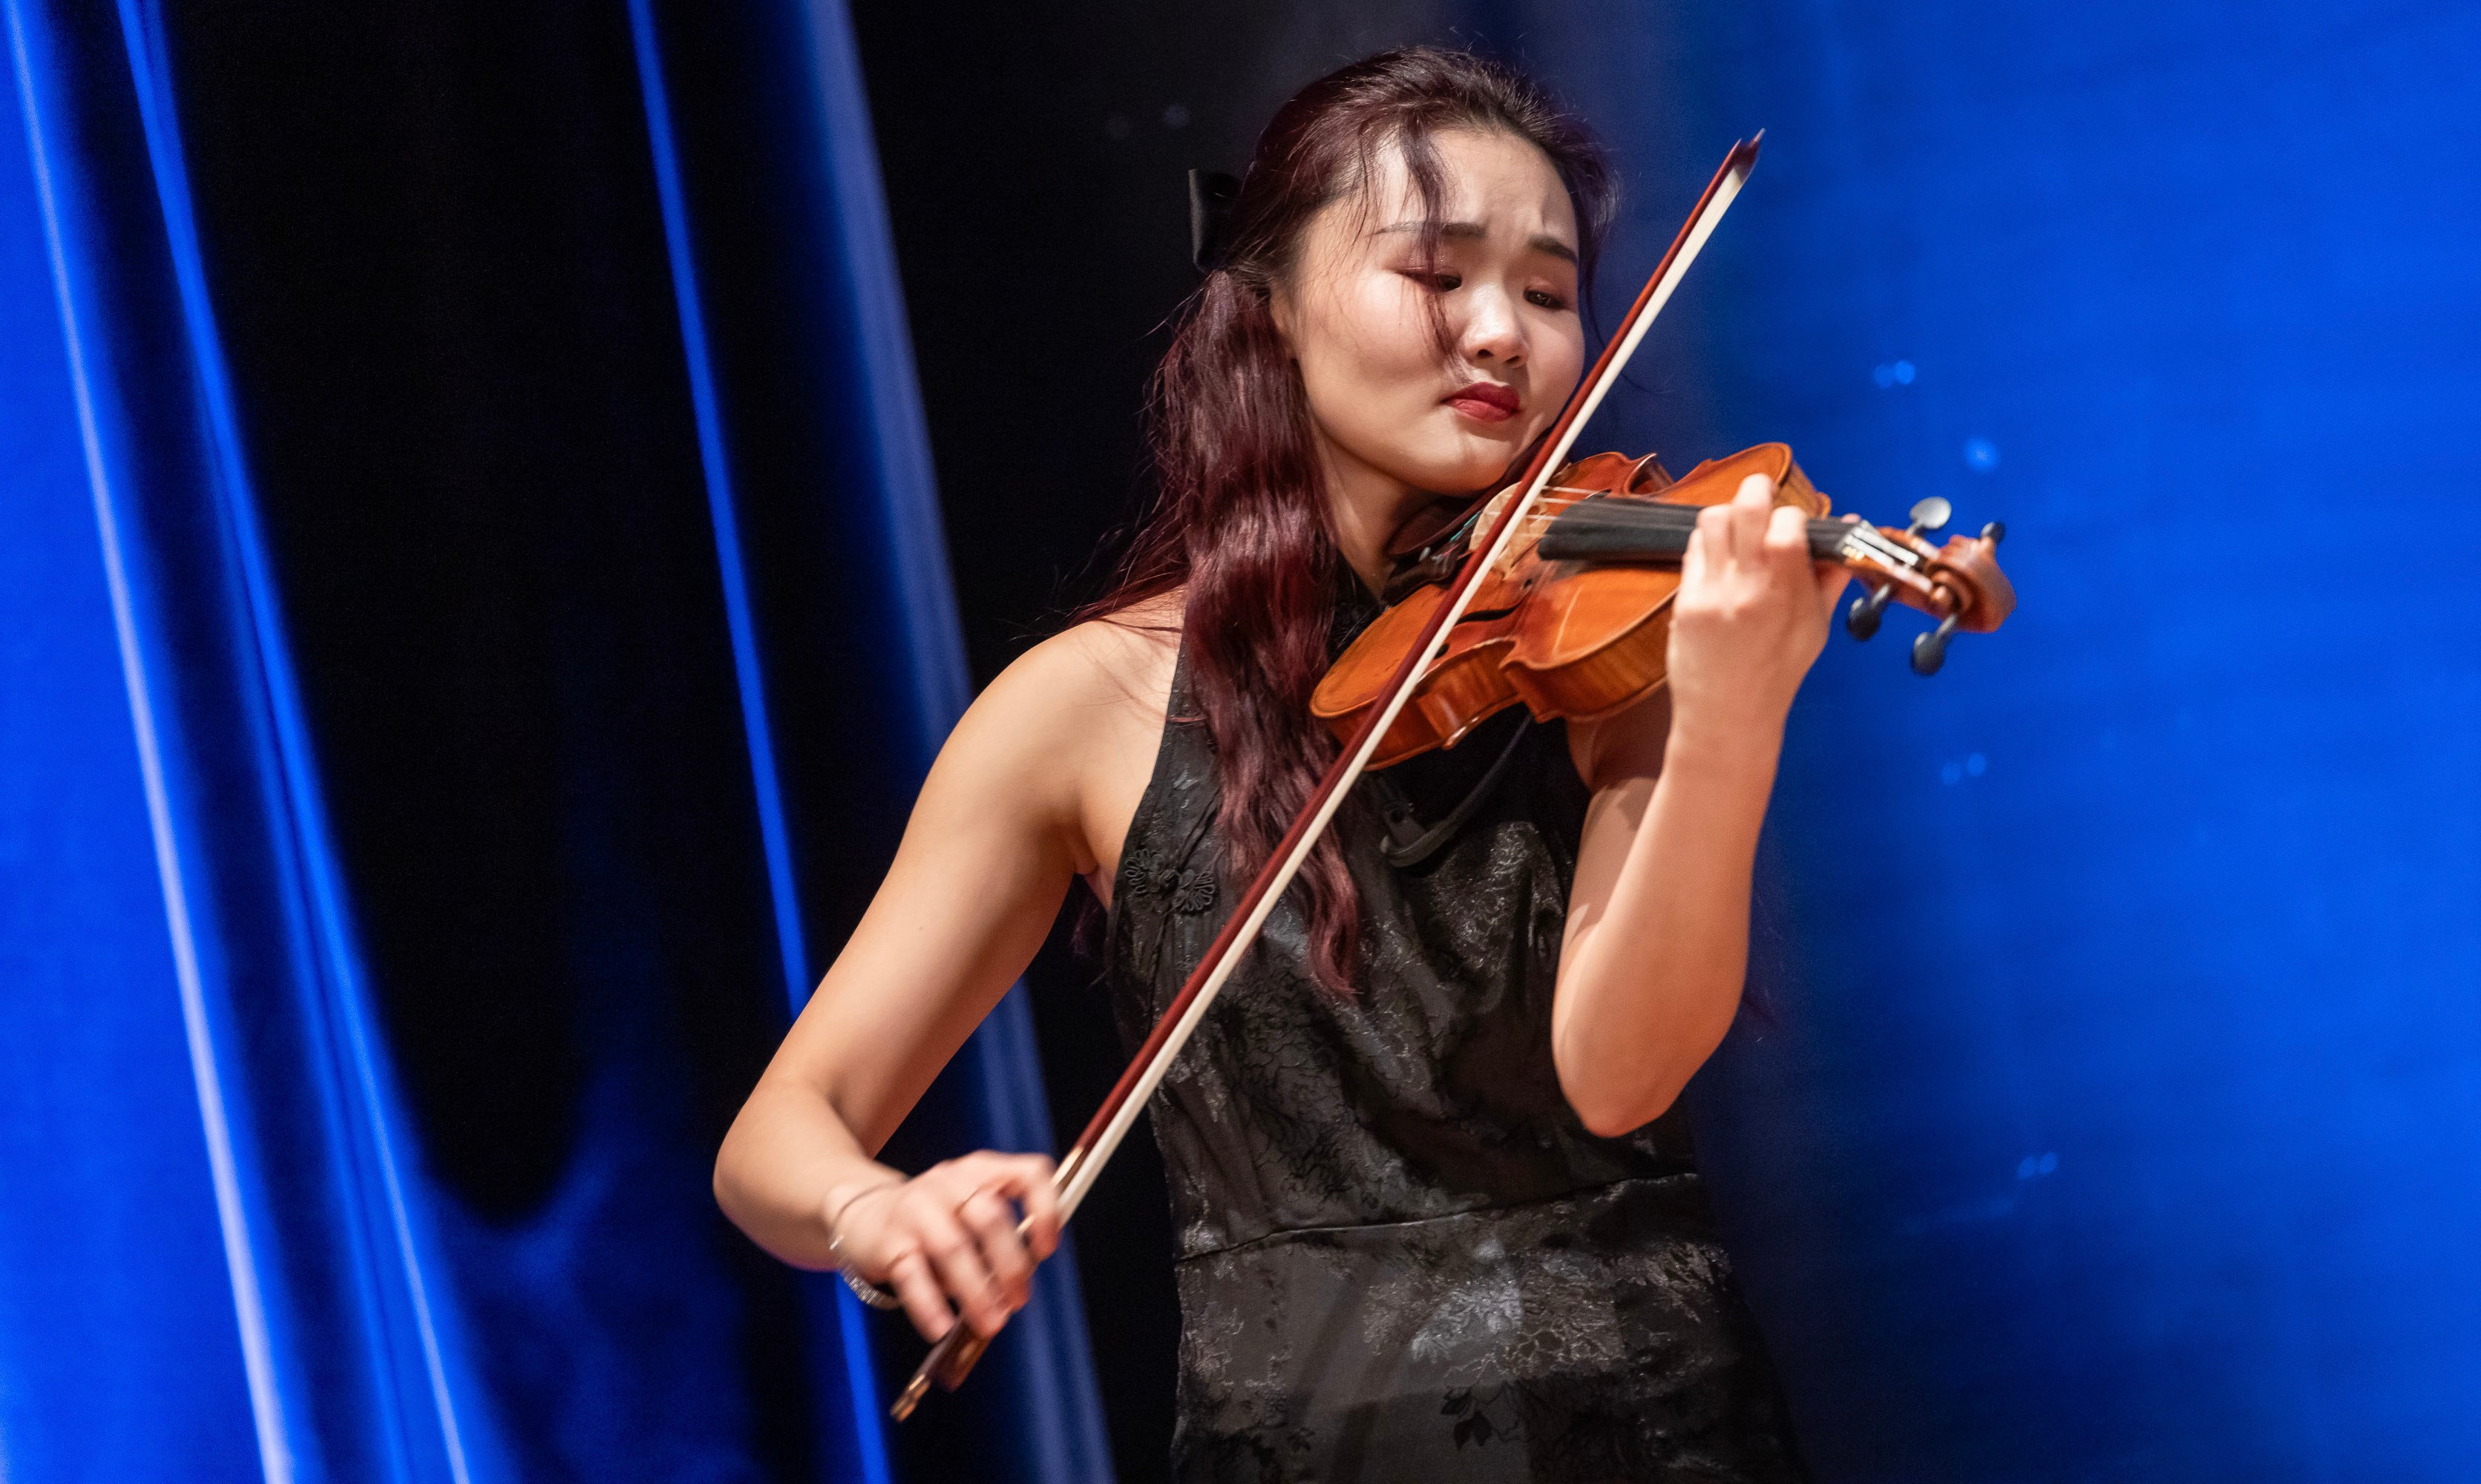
x: 537, y: 616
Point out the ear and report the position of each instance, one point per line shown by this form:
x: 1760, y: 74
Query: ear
x: 1286, y: 313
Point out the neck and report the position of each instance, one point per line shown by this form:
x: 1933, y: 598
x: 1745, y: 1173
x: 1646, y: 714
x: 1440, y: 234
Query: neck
x: 1366, y: 507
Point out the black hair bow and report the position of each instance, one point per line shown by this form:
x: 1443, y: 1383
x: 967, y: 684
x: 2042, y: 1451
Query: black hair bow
x: 1211, y: 194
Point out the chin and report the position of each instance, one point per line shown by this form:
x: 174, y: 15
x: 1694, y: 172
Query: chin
x: 1447, y: 476
x: 1476, y: 466
x: 1448, y: 465
x: 1445, y: 460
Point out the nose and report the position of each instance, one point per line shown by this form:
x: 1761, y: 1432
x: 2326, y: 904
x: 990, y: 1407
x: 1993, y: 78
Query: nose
x: 1493, y: 333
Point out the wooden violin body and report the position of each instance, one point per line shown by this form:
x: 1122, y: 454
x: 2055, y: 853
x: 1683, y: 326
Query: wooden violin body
x: 1574, y: 620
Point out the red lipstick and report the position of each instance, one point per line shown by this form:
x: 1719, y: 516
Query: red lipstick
x: 1486, y: 402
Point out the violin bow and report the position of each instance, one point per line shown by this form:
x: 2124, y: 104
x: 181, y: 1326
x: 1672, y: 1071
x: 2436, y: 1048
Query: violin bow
x: 954, y: 1356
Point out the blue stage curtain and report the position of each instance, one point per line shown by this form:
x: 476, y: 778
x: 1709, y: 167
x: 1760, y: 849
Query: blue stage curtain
x: 828, y: 519
x: 249, y: 1220
x: 336, y: 1355
x: 2107, y: 1108
x: 119, y: 1357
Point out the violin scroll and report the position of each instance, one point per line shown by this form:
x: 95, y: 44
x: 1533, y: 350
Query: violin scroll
x: 1860, y: 620
x: 1960, y: 585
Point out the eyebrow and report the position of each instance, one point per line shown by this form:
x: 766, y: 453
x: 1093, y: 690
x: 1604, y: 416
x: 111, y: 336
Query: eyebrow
x: 1540, y: 242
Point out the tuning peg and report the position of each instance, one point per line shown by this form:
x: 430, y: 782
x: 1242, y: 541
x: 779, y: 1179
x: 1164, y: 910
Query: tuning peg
x: 1860, y: 619
x: 1994, y: 532
x: 1930, y: 515
x: 1929, y: 651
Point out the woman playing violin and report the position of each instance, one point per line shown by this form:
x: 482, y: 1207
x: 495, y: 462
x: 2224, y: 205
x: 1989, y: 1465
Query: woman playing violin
x: 1435, y: 1206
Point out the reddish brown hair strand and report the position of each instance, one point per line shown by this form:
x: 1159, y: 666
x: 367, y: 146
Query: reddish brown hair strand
x: 1239, y: 514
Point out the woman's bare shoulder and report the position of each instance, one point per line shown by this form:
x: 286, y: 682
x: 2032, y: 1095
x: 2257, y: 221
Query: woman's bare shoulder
x: 1069, y: 730
x: 1101, y: 661
x: 1081, y: 684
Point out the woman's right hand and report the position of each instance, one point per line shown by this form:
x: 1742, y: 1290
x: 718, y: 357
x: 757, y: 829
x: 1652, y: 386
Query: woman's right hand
x: 949, y: 1238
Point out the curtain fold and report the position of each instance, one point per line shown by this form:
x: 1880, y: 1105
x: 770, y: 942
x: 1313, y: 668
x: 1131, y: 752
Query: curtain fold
x: 350, y: 1365
x: 119, y: 1355
x: 405, y: 818
x: 1033, y: 1413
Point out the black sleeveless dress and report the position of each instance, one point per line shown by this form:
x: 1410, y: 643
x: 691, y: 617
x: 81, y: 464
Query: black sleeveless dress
x: 1399, y: 1254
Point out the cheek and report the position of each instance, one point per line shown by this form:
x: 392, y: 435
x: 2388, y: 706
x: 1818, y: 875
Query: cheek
x: 1559, y: 360
x: 1375, y: 366
x: 1384, y: 339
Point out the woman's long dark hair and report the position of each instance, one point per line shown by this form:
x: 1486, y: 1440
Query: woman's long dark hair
x: 1240, y: 515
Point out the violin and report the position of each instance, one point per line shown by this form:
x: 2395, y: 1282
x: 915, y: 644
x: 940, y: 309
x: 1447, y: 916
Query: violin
x: 1577, y: 564
x: 1572, y: 619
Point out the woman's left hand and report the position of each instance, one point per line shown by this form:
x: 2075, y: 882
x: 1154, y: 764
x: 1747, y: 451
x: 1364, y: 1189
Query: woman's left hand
x: 1750, y: 619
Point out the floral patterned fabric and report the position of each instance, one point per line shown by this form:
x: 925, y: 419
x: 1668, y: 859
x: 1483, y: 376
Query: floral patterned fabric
x: 1399, y: 1254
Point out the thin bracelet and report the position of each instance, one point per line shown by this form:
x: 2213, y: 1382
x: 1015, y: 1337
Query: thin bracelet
x: 875, y: 1295
x: 838, y: 1214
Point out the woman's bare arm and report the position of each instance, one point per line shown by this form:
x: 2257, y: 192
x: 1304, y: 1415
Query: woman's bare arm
x: 1009, y: 814
x: 1657, y: 946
